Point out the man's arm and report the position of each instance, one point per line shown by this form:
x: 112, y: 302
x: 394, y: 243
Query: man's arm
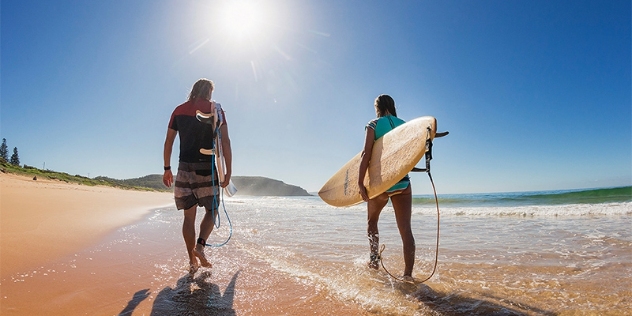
x: 228, y: 154
x: 167, y: 177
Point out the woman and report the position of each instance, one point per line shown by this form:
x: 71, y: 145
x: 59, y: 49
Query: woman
x: 400, y: 194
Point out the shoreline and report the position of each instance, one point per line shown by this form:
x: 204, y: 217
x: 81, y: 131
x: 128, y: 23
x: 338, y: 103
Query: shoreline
x: 117, y: 259
x: 300, y: 256
x: 43, y: 220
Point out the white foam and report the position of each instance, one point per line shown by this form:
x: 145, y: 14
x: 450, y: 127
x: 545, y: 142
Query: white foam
x: 604, y: 209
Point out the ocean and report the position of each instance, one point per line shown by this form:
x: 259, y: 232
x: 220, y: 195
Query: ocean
x: 534, y: 253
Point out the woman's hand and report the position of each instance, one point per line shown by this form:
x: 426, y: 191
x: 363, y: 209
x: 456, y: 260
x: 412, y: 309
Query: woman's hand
x: 363, y: 193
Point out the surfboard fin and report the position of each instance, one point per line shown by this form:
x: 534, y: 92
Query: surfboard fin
x: 428, y: 158
x: 205, y: 117
x: 208, y: 152
x: 429, y: 153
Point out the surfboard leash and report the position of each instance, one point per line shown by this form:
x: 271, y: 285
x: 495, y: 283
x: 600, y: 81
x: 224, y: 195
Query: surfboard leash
x: 427, y: 170
x: 216, y: 206
x: 211, y: 119
x: 434, y: 269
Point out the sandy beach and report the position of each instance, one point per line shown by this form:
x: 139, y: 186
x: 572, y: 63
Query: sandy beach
x: 69, y: 249
x: 75, y: 250
x: 42, y: 220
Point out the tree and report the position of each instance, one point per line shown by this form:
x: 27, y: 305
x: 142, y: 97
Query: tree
x: 4, y: 151
x: 15, y: 159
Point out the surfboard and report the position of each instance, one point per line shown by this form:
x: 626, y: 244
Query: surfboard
x: 220, y: 162
x: 394, y: 155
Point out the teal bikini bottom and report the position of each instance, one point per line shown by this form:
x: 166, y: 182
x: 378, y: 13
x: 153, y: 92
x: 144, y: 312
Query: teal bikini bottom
x: 399, y: 186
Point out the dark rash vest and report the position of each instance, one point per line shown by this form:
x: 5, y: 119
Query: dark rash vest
x: 193, y: 134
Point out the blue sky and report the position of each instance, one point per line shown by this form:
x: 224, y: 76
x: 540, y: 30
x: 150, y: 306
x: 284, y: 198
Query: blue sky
x: 536, y: 94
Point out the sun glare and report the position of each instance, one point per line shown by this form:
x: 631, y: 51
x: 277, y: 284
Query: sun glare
x: 243, y: 19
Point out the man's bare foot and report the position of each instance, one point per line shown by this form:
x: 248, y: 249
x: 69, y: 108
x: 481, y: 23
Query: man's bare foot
x: 193, y: 266
x: 200, y: 255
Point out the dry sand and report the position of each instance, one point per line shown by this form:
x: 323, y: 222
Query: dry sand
x: 42, y: 220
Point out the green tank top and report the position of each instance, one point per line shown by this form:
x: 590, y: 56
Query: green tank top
x: 384, y: 124
x: 381, y: 126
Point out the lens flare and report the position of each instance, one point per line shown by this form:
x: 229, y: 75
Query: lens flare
x: 243, y: 20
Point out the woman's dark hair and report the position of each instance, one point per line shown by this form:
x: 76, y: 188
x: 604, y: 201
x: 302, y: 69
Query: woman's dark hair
x: 202, y: 89
x: 385, y: 104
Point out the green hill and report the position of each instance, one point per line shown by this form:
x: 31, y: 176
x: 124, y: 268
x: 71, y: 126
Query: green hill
x: 254, y: 186
x: 261, y: 186
x: 152, y: 181
x: 78, y: 179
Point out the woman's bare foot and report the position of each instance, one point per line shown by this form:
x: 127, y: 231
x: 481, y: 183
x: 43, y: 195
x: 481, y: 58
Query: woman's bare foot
x: 200, y: 255
x: 374, y: 262
x: 373, y: 265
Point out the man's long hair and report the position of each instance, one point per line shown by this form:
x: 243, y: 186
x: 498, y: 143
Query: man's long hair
x: 202, y: 89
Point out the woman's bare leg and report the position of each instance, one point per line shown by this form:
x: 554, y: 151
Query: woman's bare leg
x: 402, y: 203
x: 374, y: 208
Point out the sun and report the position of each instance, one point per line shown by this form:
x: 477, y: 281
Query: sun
x: 244, y: 20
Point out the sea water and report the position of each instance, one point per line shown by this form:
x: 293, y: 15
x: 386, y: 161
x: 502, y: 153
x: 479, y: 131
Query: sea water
x: 557, y: 252
x: 536, y: 253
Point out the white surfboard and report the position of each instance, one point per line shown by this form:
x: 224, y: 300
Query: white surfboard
x: 220, y: 162
x: 394, y: 155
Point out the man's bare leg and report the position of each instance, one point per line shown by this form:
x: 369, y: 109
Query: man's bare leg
x: 188, y: 232
x: 206, y: 227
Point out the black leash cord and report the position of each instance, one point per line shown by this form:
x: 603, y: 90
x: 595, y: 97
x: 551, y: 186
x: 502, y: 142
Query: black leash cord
x: 427, y: 170
x: 434, y: 269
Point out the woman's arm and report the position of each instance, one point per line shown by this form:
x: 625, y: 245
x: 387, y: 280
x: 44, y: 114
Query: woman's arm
x: 364, y: 163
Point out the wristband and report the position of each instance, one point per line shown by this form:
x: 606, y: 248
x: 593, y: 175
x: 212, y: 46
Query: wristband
x: 167, y: 168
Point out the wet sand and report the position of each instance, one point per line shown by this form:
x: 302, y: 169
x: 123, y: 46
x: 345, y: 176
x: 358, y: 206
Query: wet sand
x: 75, y: 250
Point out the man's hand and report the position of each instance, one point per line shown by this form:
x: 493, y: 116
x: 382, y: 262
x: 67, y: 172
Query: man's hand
x: 167, y: 178
x: 226, y: 180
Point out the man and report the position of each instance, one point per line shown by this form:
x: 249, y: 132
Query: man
x: 197, y: 180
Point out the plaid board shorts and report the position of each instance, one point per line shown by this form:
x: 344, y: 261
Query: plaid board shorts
x: 196, y: 183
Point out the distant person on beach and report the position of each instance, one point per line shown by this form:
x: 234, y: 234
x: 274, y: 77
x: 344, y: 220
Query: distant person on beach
x: 400, y: 194
x: 196, y: 181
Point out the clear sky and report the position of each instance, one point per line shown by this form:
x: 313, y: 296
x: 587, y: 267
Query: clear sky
x: 536, y: 94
